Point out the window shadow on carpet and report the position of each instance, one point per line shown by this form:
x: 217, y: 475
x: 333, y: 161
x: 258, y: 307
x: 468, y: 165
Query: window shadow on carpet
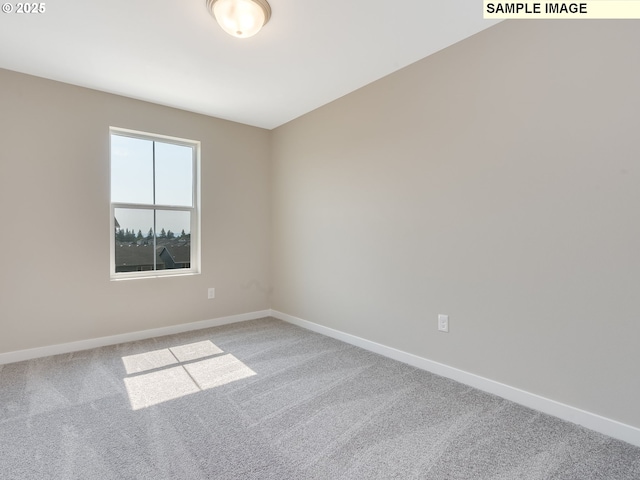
x: 161, y: 375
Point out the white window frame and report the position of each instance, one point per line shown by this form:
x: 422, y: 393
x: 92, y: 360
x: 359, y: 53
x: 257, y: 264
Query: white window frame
x: 194, y: 209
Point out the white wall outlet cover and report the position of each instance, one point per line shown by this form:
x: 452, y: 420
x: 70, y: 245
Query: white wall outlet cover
x: 443, y: 323
x: 211, y: 293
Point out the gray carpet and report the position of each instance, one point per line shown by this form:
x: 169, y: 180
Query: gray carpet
x: 267, y: 400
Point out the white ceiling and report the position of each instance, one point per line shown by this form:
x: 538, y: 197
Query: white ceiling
x: 172, y: 52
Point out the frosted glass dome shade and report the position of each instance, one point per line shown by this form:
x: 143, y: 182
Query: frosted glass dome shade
x: 240, y: 18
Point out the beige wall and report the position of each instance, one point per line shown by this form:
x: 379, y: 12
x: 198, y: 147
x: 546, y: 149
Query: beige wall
x: 54, y: 181
x: 497, y: 181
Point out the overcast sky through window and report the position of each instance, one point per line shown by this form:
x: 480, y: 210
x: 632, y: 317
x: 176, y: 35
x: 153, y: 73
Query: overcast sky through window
x: 132, y: 181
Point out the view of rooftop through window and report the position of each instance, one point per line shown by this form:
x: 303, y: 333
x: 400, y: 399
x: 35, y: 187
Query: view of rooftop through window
x: 152, y: 198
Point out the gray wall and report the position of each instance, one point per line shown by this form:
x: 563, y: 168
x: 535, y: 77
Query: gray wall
x: 54, y: 197
x: 497, y: 181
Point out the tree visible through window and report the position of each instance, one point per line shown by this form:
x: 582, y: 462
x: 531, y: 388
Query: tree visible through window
x: 153, y: 204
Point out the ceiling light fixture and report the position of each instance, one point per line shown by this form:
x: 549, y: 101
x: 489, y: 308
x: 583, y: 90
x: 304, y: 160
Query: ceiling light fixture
x: 240, y: 18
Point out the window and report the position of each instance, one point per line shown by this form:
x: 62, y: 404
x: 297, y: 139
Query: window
x: 154, y: 205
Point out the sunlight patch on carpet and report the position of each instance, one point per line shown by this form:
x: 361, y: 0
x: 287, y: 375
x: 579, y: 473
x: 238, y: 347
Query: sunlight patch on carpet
x: 194, y: 351
x: 218, y: 371
x: 158, y: 387
x: 143, y: 362
x: 162, y: 375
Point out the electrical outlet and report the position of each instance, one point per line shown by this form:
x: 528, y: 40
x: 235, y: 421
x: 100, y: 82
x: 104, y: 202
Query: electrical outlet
x: 443, y: 323
x: 211, y: 293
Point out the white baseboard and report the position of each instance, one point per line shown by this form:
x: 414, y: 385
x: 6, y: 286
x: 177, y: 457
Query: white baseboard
x: 589, y: 420
x: 20, y: 355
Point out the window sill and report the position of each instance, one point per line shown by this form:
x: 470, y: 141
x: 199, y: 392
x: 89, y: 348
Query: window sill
x: 143, y: 277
